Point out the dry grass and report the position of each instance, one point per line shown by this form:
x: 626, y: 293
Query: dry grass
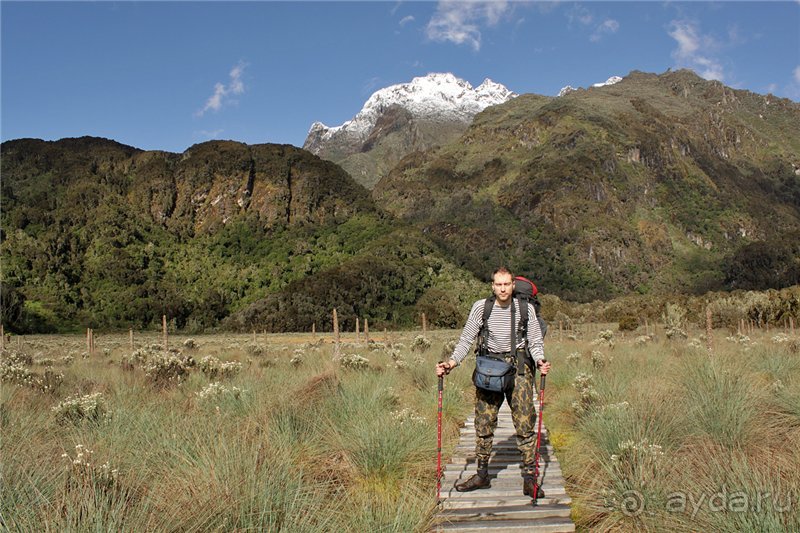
x: 675, y: 439
x: 277, y: 447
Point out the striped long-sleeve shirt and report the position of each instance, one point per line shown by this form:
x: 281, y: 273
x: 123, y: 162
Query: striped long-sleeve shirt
x: 499, y: 325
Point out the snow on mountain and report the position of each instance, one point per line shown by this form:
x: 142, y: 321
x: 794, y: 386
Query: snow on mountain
x: 437, y: 96
x: 610, y: 81
x: 566, y: 90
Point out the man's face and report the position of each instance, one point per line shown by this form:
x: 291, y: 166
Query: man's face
x: 502, y: 286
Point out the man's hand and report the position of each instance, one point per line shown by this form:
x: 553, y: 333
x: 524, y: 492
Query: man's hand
x: 444, y: 368
x: 544, y: 367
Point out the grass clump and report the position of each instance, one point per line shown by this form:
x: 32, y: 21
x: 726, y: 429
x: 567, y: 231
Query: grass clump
x: 165, y: 369
x: 213, y: 368
x: 313, y: 447
x: 77, y: 408
x: 668, y: 437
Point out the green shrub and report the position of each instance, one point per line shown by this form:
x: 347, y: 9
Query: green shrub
x: 354, y: 362
x: 420, y: 344
x: 675, y: 321
x: 628, y: 323
x: 587, y: 395
x: 77, y: 408
x: 166, y: 368
x: 213, y: 368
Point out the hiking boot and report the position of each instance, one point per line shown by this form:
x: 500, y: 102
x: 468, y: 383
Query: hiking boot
x: 477, y: 481
x: 528, y: 486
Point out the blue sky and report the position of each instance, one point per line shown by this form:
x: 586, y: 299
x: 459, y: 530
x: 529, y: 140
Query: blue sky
x: 167, y: 75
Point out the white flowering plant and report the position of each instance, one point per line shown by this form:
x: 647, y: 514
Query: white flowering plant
x: 77, y: 408
x: 213, y: 368
x: 354, y: 362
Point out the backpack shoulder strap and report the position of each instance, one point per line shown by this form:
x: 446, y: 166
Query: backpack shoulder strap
x: 523, y: 315
x: 523, y: 357
x: 487, y: 309
x: 483, y: 334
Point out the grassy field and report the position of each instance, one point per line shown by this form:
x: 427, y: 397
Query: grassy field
x: 659, y: 435
x: 269, y: 433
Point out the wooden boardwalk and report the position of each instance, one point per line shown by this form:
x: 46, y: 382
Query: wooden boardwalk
x: 503, y: 507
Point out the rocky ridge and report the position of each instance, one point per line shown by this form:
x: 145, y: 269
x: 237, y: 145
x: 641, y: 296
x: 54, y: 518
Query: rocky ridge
x: 426, y: 112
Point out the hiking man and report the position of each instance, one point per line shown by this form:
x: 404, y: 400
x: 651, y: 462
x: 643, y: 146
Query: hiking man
x: 529, y: 351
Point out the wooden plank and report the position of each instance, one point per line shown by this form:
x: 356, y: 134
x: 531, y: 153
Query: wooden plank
x: 500, y: 459
x: 498, y: 467
x: 505, y: 512
x: 510, y: 473
x: 465, y: 448
x: 503, y: 506
x: 495, y: 501
x: 552, y: 525
x: 448, y: 493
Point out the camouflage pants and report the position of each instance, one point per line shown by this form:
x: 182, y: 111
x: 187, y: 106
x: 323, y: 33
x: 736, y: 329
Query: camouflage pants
x: 520, y: 399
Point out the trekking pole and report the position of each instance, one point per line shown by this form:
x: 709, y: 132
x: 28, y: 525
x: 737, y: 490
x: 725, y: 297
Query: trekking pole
x: 439, y: 444
x: 538, y: 438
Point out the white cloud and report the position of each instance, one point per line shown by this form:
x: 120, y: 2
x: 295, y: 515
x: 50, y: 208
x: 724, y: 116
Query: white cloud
x: 406, y: 20
x: 797, y: 71
x: 223, y: 92
x: 609, y: 26
x: 695, y: 50
x: 459, y: 22
x: 580, y: 14
x: 394, y: 9
x: 237, y: 85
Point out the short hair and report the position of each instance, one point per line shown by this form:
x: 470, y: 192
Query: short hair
x: 501, y: 270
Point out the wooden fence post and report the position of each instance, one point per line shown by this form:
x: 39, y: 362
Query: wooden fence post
x: 424, y: 324
x: 2, y: 338
x: 314, y: 330
x: 164, y: 330
x: 89, y: 342
x: 358, y: 332
x: 366, y: 330
x: 336, y: 347
x: 130, y: 335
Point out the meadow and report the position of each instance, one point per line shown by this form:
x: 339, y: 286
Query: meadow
x: 276, y: 433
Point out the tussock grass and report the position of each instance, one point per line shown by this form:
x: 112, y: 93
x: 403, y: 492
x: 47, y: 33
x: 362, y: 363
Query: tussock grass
x: 279, y: 447
x: 677, y: 439
x: 670, y: 438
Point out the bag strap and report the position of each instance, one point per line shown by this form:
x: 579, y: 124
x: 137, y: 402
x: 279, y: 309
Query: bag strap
x: 483, y: 335
x: 514, y: 335
x: 523, y: 357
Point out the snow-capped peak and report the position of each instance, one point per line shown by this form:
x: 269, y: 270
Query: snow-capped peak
x: 564, y: 90
x: 610, y: 81
x: 435, y: 96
